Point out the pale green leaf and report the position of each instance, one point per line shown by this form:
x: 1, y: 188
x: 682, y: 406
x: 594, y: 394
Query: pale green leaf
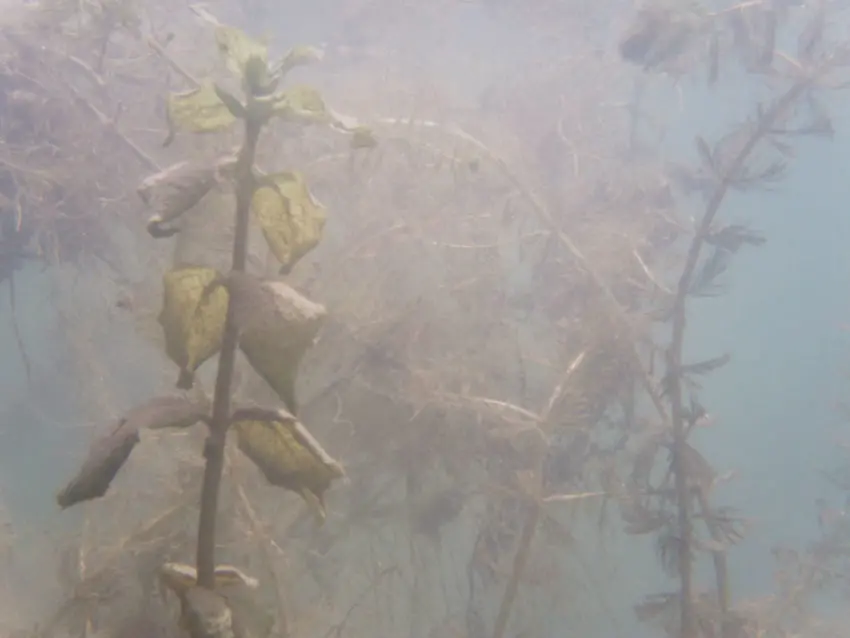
x: 298, y: 56
x: 192, y: 321
x: 362, y: 137
x: 198, y: 111
x: 287, y: 454
x: 305, y: 104
x: 301, y: 103
x: 237, y: 47
x: 291, y: 219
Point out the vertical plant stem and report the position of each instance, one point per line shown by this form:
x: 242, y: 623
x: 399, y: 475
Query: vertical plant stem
x: 523, y: 553
x: 721, y: 574
x: 532, y: 520
x: 674, y: 351
x: 214, y: 448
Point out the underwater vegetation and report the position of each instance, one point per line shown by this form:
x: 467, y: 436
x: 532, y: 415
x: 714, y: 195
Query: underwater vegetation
x: 674, y: 38
x: 206, y: 312
x: 457, y: 346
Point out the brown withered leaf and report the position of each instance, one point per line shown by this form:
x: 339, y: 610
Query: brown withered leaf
x: 286, y: 453
x: 176, y: 189
x: 106, y: 456
x: 277, y: 325
x: 109, y: 453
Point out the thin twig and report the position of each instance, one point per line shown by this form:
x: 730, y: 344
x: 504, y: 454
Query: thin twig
x: 532, y: 520
x: 265, y: 542
x: 156, y: 46
x: 13, y: 313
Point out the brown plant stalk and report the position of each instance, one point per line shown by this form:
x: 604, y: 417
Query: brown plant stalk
x: 688, y: 627
x: 214, y: 447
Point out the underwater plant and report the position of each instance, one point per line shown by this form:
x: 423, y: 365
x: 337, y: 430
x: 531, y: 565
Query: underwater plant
x: 207, y: 312
x: 462, y: 433
x: 753, y: 155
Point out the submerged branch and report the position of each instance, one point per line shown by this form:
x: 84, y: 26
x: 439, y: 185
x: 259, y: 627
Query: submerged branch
x: 721, y: 571
x: 529, y: 526
x: 674, y: 353
x: 214, y: 449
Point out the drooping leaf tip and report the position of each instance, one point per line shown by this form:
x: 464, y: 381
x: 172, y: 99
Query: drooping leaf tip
x: 186, y: 380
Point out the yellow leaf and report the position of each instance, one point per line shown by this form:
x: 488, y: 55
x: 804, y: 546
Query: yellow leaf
x: 305, y: 104
x: 301, y: 103
x: 237, y: 47
x: 362, y: 137
x: 292, y: 221
x: 198, y: 111
x: 287, y: 454
x: 298, y: 56
x: 193, y: 330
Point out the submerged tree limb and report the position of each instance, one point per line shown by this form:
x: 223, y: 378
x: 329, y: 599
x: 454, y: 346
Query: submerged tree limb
x: 688, y: 627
